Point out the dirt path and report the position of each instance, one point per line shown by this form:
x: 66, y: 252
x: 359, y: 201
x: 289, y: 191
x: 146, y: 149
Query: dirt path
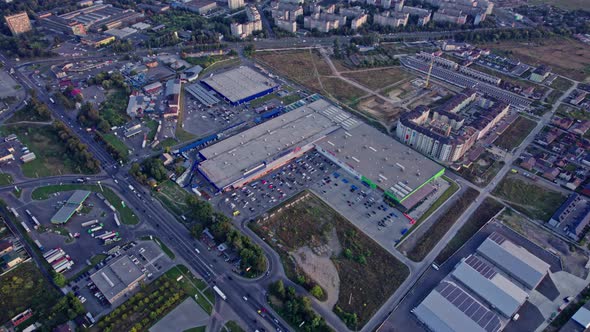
x: 318, y: 265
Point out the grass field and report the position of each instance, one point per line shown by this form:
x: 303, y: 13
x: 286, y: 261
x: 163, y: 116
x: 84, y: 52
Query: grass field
x: 566, y: 56
x: 440, y: 228
x: 52, y: 157
x: 358, y: 259
x: 536, y: 201
x: 114, y: 107
x: 232, y: 326
x: 308, y: 68
x: 515, y: 133
x: 173, y: 197
x: 126, y: 214
x: 572, y: 112
x: 553, y: 96
x: 561, y: 84
x: 341, y: 90
x: 23, y: 288
x: 194, y: 286
x: 197, y: 329
x: 153, y: 126
x: 5, y: 179
x: 378, y: 79
x: 488, y: 208
x: 440, y: 201
x: 117, y: 144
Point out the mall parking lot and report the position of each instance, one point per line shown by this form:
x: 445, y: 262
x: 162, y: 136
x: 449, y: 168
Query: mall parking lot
x: 364, y: 207
x: 261, y: 195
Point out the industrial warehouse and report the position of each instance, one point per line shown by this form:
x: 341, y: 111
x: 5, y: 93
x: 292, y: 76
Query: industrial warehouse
x: 240, y: 85
x: 367, y: 154
x: 117, y: 278
x: 485, y: 290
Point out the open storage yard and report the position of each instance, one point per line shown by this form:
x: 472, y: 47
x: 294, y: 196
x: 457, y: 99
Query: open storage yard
x: 316, y: 241
x: 515, y: 133
x: 533, y: 199
x: 566, y: 56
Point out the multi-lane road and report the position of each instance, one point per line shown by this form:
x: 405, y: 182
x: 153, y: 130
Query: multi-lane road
x: 175, y: 235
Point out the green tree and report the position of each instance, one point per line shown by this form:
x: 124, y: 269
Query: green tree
x: 59, y: 279
x: 317, y: 292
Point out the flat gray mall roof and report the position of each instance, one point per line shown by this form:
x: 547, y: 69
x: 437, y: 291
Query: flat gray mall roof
x: 389, y: 164
x: 240, y: 83
x: 116, y: 277
x: 229, y: 159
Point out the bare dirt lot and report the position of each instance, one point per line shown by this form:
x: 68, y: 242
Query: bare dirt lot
x: 566, y: 56
x: 322, y: 242
x: 380, y: 109
x: 310, y: 70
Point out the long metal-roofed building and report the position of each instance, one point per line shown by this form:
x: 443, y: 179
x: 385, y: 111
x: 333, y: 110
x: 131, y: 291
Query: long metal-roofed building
x: 381, y: 162
x: 367, y: 154
x: 494, y: 288
x: 258, y: 150
x: 240, y: 85
x: 117, y: 278
x: 72, y: 205
x: 516, y: 261
x: 480, y: 294
x: 449, y: 308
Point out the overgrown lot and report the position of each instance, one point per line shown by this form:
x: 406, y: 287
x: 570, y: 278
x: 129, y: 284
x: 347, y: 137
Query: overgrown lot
x: 359, y: 260
x: 515, y: 133
x: 428, y: 240
x: 489, y: 208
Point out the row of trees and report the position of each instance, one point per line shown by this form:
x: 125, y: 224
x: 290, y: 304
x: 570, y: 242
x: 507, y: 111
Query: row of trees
x: 146, y: 307
x: 296, y: 309
x: 111, y: 149
x: 76, y: 149
x: 253, y: 261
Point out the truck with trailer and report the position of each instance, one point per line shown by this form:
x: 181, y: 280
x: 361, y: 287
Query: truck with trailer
x: 36, y: 221
x: 25, y: 226
x: 55, y: 256
x: 219, y: 292
x: 14, y: 212
x: 89, y: 223
x: 50, y: 252
x: 39, y: 245
x: 95, y: 228
x: 117, y: 220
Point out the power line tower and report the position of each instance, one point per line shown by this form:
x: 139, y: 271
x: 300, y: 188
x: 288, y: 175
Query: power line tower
x: 427, y: 85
